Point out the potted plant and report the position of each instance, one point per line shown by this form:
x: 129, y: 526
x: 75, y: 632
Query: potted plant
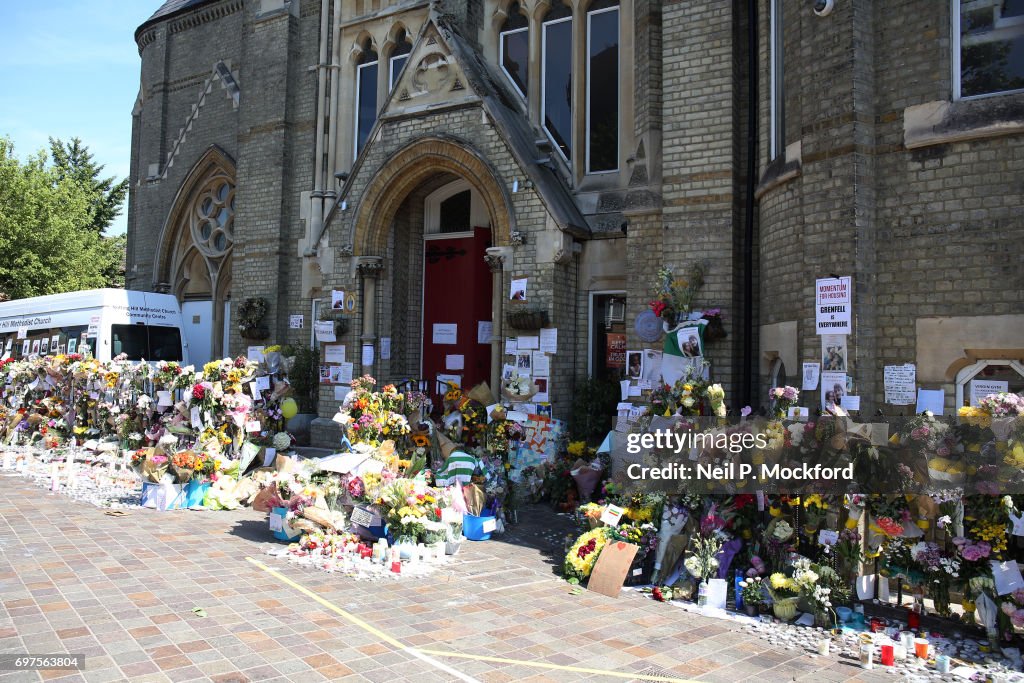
x: 527, y: 318
x: 250, y: 317
x: 752, y: 593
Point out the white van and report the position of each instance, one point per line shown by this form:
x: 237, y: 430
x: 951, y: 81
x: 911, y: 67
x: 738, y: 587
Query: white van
x: 141, y: 325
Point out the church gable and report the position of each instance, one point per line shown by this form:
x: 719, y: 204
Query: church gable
x: 432, y: 77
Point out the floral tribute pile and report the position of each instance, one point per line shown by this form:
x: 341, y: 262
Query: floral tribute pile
x: 936, y: 537
x: 169, y: 424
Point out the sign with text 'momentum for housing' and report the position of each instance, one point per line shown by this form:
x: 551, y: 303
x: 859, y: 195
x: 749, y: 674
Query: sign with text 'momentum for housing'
x: 833, y: 299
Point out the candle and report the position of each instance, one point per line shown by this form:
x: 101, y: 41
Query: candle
x: 921, y: 648
x: 900, y: 652
x: 867, y: 656
x: 888, y: 656
x: 913, y: 620
x: 942, y: 664
x: 823, y: 646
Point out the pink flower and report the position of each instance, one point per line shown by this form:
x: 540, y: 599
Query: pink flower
x: 1008, y: 608
x: 1017, y: 618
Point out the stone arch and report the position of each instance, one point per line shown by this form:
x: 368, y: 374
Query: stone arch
x: 194, y: 252
x: 214, y: 163
x: 409, y: 167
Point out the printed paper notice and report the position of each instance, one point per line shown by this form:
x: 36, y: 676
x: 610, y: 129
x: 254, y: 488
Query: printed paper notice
x: 367, y: 355
x: 833, y: 299
x: 528, y: 343
x: 811, y: 373
x: 338, y: 299
x: 385, y: 348
x: 900, y: 384
x: 851, y: 403
x: 255, y: 352
x: 446, y: 333
x: 295, y: 322
x: 518, y: 290
x: 22, y: 332
x: 980, y: 388
x: 454, y: 362
x: 343, y: 374
x: 483, y: 331
x: 549, y: 340
x: 541, y: 364
x: 511, y: 346
x: 340, y: 392
x: 164, y: 399
x: 454, y: 380
x: 324, y: 330
x: 263, y: 383
x: 930, y: 399
x: 334, y: 353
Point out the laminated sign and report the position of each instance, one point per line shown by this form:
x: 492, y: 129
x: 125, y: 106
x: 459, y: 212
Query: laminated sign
x: 833, y: 299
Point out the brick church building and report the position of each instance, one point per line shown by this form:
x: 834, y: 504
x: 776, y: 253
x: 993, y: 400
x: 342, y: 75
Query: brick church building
x: 421, y: 156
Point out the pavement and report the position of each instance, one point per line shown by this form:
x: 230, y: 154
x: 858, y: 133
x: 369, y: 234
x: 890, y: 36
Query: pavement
x: 122, y: 591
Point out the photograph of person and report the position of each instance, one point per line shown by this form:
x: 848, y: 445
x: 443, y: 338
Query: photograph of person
x: 635, y: 364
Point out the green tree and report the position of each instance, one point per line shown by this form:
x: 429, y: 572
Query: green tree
x: 72, y: 160
x: 48, y: 240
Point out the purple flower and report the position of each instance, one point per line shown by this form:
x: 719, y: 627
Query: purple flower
x: 745, y: 411
x: 790, y: 394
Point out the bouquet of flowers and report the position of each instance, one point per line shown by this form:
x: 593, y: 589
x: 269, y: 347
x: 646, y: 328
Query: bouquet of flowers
x: 674, y: 295
x: 580, y: 560
x: 518, y: 388
x: 940, y: 570
x: 370, y: 417
x: 186, y: 464
x: 782, y: 399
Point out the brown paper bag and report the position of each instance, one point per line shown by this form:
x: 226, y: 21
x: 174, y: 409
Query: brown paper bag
x: 481, y: 393
x: 475, y: 498
x: 612, y: 566
x: 260, y: 502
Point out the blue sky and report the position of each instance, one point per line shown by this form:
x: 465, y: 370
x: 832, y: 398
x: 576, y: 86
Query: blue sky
x: 71, y: 68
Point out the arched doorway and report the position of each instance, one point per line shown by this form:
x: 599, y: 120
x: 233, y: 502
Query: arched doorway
x: 194, y: 256
x: 422, y: 230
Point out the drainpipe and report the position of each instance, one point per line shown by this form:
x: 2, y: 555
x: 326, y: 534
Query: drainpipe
x: 332, y: 111
x: 318, y: 164
x: 747, y: 381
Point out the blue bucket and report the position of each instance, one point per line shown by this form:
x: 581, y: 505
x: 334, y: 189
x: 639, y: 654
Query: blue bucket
x: 478, y: 528
x: 195, y: 492
x: 281, y: 534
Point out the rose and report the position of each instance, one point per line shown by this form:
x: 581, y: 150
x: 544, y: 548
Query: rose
x: 199, y: 392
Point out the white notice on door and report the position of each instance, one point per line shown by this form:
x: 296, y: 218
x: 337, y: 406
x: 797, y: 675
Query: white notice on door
x: 445, y: 333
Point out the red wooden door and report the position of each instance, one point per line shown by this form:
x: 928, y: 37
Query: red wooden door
x: 456, y: 291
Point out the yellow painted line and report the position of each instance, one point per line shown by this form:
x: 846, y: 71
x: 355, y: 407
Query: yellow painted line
x: 363, y: 625
x: 425, y: 655
x: 557, y: 667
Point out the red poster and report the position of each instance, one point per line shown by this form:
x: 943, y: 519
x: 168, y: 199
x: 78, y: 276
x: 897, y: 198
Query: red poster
x: 616, y: 355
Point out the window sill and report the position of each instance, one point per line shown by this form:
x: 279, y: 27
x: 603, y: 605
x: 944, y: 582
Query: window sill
x: 942, y: 122
x: 781, y: 170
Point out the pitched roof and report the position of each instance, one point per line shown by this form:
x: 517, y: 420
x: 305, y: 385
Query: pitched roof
x: 169, y: 9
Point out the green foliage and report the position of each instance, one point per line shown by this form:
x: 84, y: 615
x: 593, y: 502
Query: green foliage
x: 593, y: 408
x: 47, y: 230
x: 73, y: 161
x: 305, y: 378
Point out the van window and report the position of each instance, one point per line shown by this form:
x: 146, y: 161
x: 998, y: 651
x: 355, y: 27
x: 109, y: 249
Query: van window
x: 150, y: 342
